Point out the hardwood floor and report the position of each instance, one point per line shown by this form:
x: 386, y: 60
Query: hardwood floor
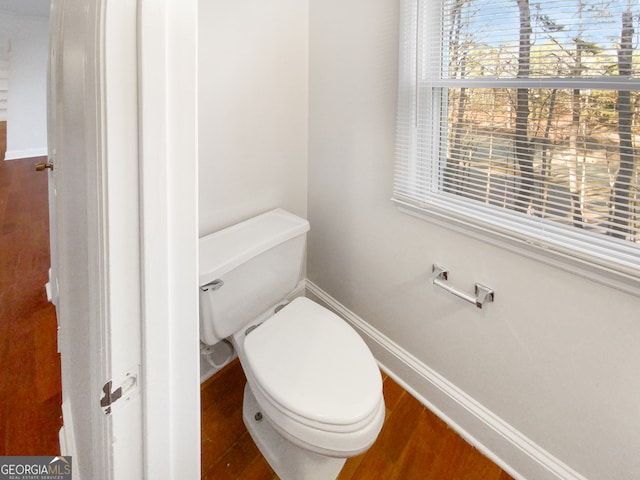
x: 413, y: 444
x: 30, y: 391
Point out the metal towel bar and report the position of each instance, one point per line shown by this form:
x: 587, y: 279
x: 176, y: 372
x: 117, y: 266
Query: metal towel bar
x: 481, y: 295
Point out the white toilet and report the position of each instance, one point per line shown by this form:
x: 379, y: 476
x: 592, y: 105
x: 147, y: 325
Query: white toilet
x: 314, y: 392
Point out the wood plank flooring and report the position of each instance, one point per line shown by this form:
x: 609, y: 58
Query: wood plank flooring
x: 30, y: 391
x: 413, y: 444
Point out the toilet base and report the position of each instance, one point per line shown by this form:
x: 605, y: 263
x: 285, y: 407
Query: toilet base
x: 289, y: 461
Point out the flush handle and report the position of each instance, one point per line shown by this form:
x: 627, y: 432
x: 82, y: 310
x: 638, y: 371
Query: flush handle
x: 214, y: 285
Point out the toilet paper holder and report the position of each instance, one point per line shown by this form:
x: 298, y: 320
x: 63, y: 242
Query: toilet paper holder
x: 481, y: 295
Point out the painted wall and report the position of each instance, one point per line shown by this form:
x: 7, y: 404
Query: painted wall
x: 252, y: 109
x: 556, y: 358
x: 24, y: 41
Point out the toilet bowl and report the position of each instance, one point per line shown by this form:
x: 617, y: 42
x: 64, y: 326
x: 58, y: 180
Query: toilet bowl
x: 315, y: 384
x: 315, y: 379
x: 314, y: 392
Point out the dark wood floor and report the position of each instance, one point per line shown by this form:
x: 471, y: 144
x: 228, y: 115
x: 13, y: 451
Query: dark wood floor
x: 413, y: 444
x: 30, y: 392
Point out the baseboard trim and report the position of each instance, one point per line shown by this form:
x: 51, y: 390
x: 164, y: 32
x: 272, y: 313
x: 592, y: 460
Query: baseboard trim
x: 498, y: 440
x: 67, y: 439
x: 24, y: 154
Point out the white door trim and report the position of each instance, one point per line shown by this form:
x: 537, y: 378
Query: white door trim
x: 168, y: 140
x: 94, y: 122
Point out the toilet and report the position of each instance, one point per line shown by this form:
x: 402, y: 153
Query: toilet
x: 313, y: 396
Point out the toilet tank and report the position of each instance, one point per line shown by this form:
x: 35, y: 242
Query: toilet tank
x: 248, y: 268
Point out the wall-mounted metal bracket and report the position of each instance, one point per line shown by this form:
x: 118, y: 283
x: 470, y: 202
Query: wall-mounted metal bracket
x: 482, y: 293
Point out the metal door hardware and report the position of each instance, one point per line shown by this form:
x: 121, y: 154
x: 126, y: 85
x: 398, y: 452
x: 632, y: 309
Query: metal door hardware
x: 43, y: 166
x: 125, y: 389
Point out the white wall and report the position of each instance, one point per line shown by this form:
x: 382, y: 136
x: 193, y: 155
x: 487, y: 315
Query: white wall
x: 4, y: 63
x: 25, y: 39
x: 554, y: 361
x: 4, y: 86
x: 252, y: 109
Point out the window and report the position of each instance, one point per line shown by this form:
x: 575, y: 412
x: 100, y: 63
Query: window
x: 521, y: 119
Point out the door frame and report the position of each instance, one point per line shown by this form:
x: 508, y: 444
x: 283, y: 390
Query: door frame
x: 127, y: 175
x: 169, y: 215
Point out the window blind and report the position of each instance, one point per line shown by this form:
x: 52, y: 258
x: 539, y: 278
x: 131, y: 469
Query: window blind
x: 523, y: 117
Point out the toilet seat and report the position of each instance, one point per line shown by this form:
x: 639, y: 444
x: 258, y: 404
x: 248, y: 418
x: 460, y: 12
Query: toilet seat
x: 315, y: 379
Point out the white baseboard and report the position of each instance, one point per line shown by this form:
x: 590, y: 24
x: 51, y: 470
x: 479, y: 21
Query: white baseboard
x: 23, y: 154
x: 498, y: 440
x: 67, y: 439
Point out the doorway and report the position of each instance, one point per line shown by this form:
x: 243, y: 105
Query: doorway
x: 30, y: 386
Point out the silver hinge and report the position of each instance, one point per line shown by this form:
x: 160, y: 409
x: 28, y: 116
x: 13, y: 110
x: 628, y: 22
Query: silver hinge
x: 115, y: 394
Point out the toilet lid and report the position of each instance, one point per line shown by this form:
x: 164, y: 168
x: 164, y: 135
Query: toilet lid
x: 312, y: 363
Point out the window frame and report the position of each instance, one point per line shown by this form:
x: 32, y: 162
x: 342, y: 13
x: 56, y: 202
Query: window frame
x: 578, y: 251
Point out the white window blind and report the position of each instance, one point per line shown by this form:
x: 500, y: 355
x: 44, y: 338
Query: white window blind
x: 522, y: 117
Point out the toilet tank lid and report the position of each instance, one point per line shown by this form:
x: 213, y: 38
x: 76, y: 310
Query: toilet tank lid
x: 226, y: 249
